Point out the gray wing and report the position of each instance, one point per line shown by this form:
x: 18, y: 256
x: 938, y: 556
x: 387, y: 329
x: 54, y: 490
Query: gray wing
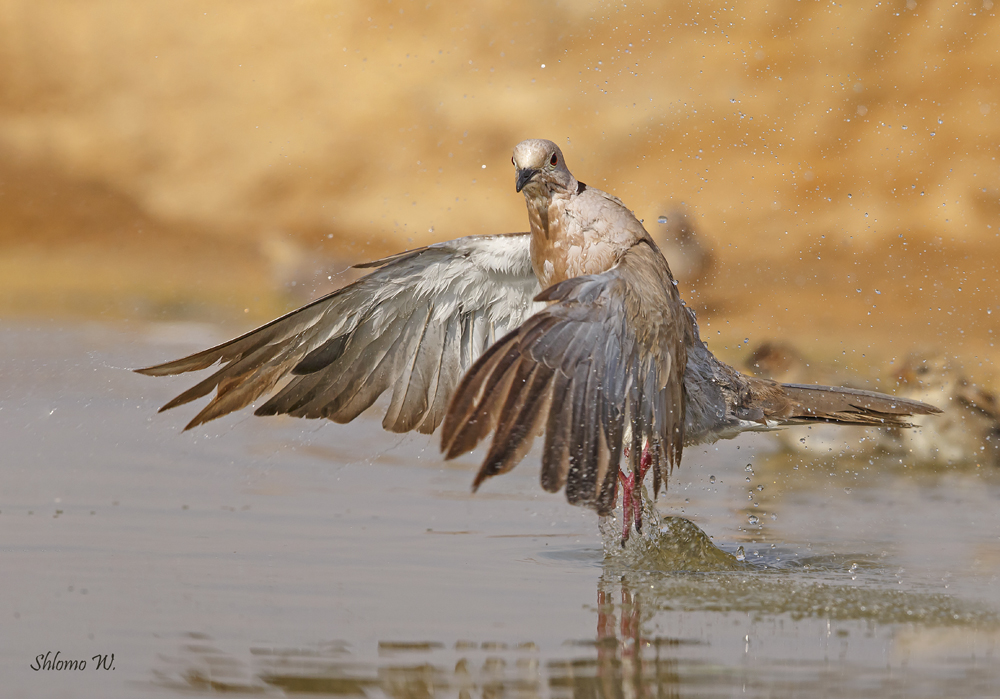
x: 414, y: 325
x: 609, y: 352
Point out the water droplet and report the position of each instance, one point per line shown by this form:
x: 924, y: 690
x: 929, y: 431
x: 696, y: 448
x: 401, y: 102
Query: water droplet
x: 711, y: 479
x: 740, y: 555
x: 661, y: 219
x: 749, y: 468
x: 760, y: 488
x: 753, y: 519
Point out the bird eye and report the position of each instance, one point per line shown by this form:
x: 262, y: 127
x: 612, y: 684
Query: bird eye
x: 553, y: 160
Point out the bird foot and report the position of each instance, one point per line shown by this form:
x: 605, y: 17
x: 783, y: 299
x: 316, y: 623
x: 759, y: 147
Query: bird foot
x: 631, y: 496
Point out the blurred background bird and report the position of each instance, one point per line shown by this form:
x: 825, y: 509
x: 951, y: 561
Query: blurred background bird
x: 969, y: 429
x: 688, y: 252
x: 967, y: 432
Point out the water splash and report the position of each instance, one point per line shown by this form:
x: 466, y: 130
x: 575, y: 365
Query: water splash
x: 666, y: 544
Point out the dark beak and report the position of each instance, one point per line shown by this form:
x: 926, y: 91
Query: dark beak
x: 524, y: 177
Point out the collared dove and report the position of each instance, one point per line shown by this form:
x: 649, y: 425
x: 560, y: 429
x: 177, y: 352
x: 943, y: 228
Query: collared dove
x: 575, y: 329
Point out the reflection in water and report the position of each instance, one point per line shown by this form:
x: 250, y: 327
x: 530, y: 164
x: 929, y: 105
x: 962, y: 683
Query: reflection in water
x: 402, y: 670
x: 620, y: 663
x: 660, y: 632
x: 629, y: 664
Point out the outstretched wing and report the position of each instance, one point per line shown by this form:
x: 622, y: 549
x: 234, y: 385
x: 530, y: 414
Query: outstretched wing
x: 414, y: 325
x: 609, y: 352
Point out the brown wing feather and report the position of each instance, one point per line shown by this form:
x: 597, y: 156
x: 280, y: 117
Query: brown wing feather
x: 609, y: 349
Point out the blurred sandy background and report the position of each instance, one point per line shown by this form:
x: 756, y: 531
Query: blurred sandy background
x: 205, y: 160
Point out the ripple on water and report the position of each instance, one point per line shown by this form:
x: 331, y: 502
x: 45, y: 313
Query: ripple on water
x: 679, y: 567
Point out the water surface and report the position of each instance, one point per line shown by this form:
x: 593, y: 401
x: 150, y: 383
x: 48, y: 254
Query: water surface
x: 277, y: 556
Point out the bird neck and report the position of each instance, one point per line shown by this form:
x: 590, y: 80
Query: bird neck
x: 545, y: 216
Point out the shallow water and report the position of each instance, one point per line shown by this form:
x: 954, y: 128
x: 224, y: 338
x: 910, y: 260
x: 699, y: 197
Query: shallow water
x: 278, y: 556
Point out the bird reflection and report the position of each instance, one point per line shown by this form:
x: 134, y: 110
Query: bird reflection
x: 625, y: 669
x: 628, y: 664
x: 625, y: 659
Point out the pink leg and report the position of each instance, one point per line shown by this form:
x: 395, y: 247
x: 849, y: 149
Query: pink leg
x: 644, y: 463
x: 631, y: 498
x: 626, y: 482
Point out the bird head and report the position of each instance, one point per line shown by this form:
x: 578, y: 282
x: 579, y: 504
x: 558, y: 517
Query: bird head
x: 927, y: 369
x: 540, y: 167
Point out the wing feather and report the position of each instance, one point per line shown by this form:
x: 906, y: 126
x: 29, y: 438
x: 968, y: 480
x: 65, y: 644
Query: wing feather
x: 413, y: 325
x: 555, y: 457
x: 608, y: 351
x: 409, y: 395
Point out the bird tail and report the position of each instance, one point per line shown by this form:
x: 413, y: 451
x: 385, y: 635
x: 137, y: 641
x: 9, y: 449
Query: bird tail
x: 796, y: 404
